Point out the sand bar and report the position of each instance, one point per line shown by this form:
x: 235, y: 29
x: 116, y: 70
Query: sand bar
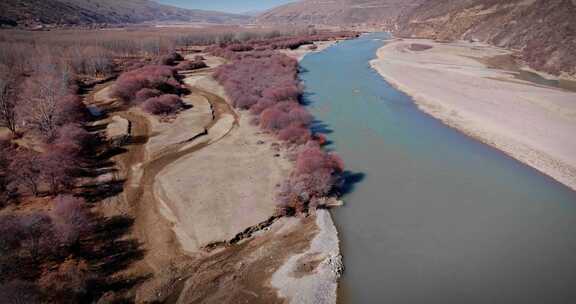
x: 533, y: 123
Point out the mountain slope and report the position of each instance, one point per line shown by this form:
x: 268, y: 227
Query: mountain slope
x: 544, y: 30
x: 337, y: 12
x: 82, y: 12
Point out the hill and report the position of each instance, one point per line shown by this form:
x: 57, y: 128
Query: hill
x: 543, y: 30
x: 337, y: 12
x: 87, y: 12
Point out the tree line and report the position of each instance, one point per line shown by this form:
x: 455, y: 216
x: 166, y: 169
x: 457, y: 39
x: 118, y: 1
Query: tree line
x: 265, y: 82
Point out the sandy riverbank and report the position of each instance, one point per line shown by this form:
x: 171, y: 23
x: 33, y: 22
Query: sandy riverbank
x: 451, y: 81
x: 242, y: 194
x: 225, y: 187
x: 304, y: 50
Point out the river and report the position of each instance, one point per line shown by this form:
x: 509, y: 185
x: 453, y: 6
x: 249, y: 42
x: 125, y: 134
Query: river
x: 432, y: 216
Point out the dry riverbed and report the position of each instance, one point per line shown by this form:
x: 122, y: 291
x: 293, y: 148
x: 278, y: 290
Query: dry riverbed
x: 468, y: 87
x: 202, y: 178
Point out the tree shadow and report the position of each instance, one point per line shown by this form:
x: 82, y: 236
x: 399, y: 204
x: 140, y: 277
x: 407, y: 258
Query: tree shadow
x: 95, y: 172
x: 109, y: 253
x: 137, y: 140
x: 96, y: 128
x: 320, y: 127
x: 97, y: 192
x: 350, y: 179
x: 306, y: 98
x: 111, y: 152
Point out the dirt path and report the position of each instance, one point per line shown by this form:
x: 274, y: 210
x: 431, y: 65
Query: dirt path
x: 150, y: 227
x: 239, y: 273
x: 160, y: 239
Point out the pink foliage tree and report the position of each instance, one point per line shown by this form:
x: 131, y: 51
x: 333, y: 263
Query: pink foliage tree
x: 145, y: 94
x: 163, y: 105
x: 158, y: 77
x: 267, y: 84
x: 316, y: 175
x: 295, y: 134
x: 191, y: 65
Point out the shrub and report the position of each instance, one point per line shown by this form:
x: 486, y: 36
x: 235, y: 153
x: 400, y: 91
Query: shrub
x: 266, y: 83
x: 161, y: 78
x: 145, y: 94
x: 128, y: 85
x: 57, y: 168
x: 74, y: 138
x: 269, y: 76
x: 70, y: 218
x: 295, y: 134
x: 163, y: 105
x: 240, y: 47
x: 300, y: 116
x: 170, y: 59
x: 274, y: 119
x: 191, y: 65
x: 261, y: 105
x: 314, y: 159
x: 317, y: 174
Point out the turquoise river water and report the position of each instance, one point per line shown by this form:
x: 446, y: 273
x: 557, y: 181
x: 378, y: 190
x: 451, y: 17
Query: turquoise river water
x: 431, y: 215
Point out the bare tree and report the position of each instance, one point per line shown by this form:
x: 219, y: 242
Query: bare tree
x: 7, y: 113
x: 44, y: 98
x: 25, y: 171
x: 38, y: 234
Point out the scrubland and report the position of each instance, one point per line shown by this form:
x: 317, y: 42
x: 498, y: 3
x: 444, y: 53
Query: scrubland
x: 56, y: 241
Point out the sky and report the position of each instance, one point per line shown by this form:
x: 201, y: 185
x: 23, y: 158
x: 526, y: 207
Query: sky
x: 232, y: 6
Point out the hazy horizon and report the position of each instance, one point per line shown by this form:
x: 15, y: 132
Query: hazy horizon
x: 229, y: 6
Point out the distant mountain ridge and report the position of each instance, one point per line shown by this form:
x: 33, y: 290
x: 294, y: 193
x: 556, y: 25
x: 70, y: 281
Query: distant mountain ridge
x: 544, y: 31
x: 337, y: 12
x: 87, y: 12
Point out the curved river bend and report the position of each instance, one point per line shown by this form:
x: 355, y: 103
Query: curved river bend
x: 437, y: 216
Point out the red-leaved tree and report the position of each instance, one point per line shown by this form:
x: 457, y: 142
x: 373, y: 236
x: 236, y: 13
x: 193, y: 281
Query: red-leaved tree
x: 163, y: 105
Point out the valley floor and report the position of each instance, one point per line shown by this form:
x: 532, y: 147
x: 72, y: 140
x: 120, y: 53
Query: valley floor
x: 198, y: 181
x: 476, y: 89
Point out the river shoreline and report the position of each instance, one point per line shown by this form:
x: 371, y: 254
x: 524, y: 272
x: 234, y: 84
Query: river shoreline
x: 533, y: 126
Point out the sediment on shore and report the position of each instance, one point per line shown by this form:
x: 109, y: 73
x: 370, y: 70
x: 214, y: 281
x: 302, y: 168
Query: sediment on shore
x: 531, y: 122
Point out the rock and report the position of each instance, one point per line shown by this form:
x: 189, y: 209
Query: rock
x: 334, y: 263
x: 330, y: 202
